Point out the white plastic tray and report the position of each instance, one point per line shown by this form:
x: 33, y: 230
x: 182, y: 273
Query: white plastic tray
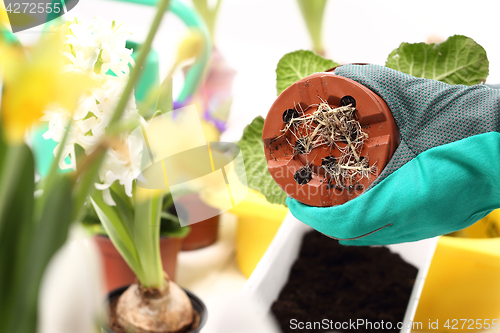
x: 271, y: 274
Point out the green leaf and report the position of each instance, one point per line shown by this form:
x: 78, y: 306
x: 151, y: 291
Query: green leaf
x: 49, y: 234
x: 147, y: 237
x: 10, y: 177
x: 209, y: 15
x: 165, y: 102
x: 123, y: 208
x: 16, y: 235
x: 258, y: 177
x: 117, y: 232
x: 88, y: 171
x: 180, y: 232
x: 313, y: 12
x: 458, y: 60
x: 297, y: 65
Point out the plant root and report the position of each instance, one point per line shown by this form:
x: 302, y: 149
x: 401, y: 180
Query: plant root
x: 329, y: 126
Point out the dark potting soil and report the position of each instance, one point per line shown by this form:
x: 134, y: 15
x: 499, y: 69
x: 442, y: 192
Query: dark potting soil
x: 117, y: 328
x: 339, y: 283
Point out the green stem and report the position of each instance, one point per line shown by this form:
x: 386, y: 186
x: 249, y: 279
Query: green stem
x: 51, y: 177
x: 139, y: 63
x: 147, y: 240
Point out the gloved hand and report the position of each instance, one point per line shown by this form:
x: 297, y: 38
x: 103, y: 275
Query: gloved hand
x: 444, y: 175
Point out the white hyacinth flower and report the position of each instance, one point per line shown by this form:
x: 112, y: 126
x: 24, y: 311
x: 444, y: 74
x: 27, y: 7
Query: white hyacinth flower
x: 96, y: 49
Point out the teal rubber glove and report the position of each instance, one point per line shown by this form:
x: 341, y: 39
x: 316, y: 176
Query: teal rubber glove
x: 444, y: 175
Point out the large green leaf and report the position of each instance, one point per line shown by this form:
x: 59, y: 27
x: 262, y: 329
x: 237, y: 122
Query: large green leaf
x: 258, y: 177
x: 458, y: 60
x: 297, y: 65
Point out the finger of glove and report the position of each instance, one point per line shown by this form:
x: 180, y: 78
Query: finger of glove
x: 442, y: 190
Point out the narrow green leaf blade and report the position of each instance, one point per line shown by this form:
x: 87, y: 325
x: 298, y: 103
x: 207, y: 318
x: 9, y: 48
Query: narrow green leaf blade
x: 297, y: 65
x: 117, y: 232
x: 165, y: 102
x: 258, y: 177
x: 16, y: 236
x: 88, y: 175
x: 49, y: 235
x: 147, y: 236
x: 458, y: 60
x: 313, y: 13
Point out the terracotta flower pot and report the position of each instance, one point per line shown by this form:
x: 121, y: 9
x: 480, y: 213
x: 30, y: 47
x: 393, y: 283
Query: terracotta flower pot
x: 117, y: 272
x: 202, y: 233
x: 197, y: 303
x: 313, y: 172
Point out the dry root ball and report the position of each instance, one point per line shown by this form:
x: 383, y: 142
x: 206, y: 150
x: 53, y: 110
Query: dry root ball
x: 335, y: 128
x: 152, y: 310
x: 328, y: 126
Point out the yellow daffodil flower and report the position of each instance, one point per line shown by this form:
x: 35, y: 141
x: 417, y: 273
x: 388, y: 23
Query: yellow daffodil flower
x: 33, y: 82
x: 4, y: 19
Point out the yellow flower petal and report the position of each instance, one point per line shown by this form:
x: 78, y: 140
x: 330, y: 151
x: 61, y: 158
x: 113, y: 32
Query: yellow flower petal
x: 4, y: 18
x: 30, y: 86
x: 190, y: 46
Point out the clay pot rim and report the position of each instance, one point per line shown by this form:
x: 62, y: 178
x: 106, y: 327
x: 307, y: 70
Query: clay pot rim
x: 318, y: 194
x: 196, y: 302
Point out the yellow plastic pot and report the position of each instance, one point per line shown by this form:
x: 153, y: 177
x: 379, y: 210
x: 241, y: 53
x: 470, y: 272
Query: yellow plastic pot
x: 258, y: 222
x: 464, y: 278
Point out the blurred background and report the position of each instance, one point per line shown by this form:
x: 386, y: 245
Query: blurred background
x: 253, y: 35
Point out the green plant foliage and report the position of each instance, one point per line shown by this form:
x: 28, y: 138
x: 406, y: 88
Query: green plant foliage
x: 170, y: 226
x: 32, y: 229
x: 133, y: 227
x: 297, y: 65
x: 313, y: 12
x: 258, y: 177
x: 458, y: 60
x: 209, y: 14
x: 165, y: 101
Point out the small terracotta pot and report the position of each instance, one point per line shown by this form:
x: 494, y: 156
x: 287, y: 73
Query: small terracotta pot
x: 202, y: 233
x: 196, y: 302
x: 288, y: 165
x: 117, y: 272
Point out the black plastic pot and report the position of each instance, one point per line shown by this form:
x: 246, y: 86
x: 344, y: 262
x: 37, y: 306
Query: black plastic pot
x: 197, y: 303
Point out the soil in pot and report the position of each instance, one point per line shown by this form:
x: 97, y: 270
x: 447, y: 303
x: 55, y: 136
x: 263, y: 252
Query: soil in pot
x: 199, y: 313
x: 342, y: 283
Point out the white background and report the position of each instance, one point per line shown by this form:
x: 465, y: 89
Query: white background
x: 254, y: 34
